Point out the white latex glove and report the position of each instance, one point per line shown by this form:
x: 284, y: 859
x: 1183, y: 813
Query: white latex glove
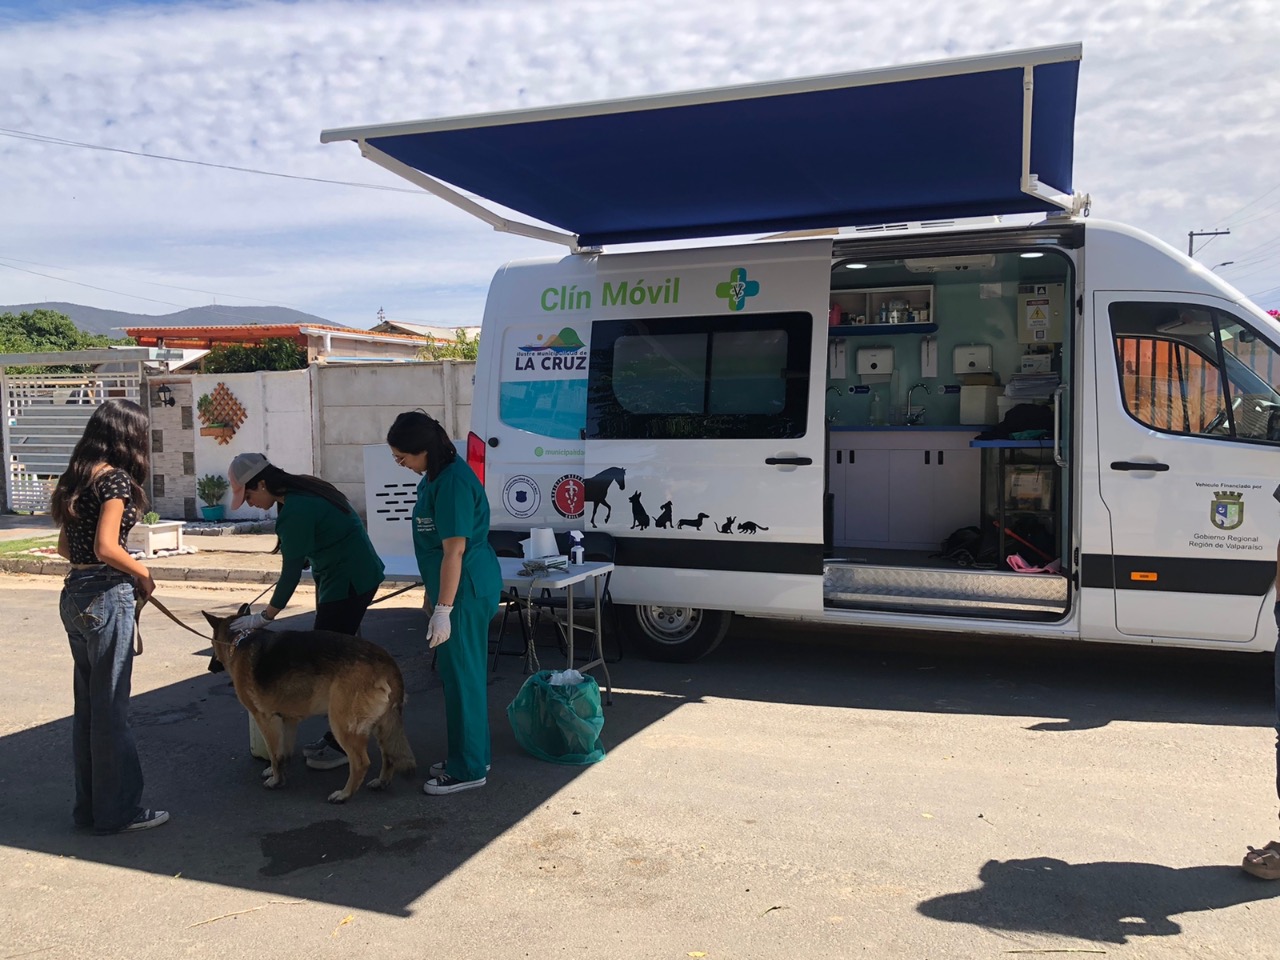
x: 255, y: 621
x: 439, y: 629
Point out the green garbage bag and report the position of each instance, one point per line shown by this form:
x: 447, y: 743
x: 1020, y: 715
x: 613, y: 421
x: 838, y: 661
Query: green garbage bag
x: 561, y: 722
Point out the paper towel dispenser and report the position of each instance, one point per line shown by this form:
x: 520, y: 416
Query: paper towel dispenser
x: 974, y: 358
x: 874, y: 361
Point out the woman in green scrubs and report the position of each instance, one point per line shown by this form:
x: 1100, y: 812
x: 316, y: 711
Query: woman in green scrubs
x: 315, y: 523
x: 461, y: 575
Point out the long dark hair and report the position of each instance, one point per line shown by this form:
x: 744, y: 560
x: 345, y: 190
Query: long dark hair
x: 280, y: 483
x: 415, y: 432
x: 117, y: 434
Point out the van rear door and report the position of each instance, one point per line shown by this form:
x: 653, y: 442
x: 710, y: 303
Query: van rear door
x: 704, y: 439
x: 1187, y: 438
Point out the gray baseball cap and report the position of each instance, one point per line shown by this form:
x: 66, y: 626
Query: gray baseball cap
x: 244, y: 467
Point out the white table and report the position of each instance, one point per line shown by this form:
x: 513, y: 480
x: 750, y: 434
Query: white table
x: 594, y: 571
x: 404, y: 569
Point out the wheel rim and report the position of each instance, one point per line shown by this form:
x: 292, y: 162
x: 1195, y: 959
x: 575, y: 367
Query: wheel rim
x: 669, y: 625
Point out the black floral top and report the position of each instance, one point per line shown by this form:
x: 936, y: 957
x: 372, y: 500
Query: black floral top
x: 113, y: 484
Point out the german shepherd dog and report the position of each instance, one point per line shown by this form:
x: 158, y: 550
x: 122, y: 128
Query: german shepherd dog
x: 282, y: 677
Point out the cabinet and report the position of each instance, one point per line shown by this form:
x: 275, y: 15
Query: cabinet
x: 905, y: 490
x: 885, y: 310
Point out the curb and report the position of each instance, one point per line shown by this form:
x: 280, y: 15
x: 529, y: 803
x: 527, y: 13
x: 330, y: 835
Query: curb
x: 59, y: 568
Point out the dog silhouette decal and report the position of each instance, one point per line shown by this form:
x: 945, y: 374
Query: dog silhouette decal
x: 664, y: 518
x: 748, y: 526
x: 727, y: 526
x: 597, y: 488
x: 639, y: 518
x: 696, y: 523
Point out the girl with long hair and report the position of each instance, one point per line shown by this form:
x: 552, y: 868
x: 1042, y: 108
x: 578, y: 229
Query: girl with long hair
x: 95, y: 503
x: 460, y: 572
x: 315, y: 524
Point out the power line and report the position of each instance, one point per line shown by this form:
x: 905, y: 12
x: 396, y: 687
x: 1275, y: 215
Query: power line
x: 58, y: 141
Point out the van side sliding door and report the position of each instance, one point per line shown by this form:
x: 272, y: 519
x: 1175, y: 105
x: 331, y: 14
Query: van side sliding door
x: 700, y: 439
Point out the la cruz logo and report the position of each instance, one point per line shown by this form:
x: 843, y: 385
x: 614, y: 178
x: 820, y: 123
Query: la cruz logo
x: 568, y: 496
x: 557, y: 354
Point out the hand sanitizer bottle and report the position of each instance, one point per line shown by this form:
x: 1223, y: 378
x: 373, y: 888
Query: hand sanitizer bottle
x: 876, y: 417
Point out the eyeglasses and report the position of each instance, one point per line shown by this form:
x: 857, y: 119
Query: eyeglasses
x: 399, y: 458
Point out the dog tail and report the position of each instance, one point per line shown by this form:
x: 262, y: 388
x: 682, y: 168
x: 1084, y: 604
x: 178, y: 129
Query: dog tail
x: 392, y: 739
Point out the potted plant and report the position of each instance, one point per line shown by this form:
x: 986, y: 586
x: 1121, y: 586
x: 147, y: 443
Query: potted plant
x: 211, y: 488
x: 213, y: 427
x: 152, y: 534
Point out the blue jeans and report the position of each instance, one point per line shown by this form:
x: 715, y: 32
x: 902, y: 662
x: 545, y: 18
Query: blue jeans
x: 97, y: 611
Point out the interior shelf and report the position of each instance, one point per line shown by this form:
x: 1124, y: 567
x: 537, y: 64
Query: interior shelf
x: 880, y: 329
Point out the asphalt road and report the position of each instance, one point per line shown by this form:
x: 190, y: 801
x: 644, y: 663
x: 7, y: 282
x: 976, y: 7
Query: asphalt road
x: 799, y: 793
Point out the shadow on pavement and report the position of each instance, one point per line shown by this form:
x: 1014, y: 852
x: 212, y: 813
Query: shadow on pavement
x: 1102, y: 902
x: 381, y: 852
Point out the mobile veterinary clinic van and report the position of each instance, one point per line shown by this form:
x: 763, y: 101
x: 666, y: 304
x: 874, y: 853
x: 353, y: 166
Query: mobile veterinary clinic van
x: 1055, y: 428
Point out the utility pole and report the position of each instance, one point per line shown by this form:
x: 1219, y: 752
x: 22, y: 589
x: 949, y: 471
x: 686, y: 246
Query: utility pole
x: 1192, y: 234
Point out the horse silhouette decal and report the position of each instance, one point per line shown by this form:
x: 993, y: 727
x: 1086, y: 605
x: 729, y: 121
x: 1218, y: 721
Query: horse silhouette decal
x: 597, y: 489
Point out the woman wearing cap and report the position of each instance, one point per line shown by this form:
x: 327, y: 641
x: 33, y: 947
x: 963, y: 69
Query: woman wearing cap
x: 314, y: 523
x: 461, y: 574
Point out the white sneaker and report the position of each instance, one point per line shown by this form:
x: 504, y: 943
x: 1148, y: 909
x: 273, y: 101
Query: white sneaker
x: 316, y: 747
x: 438, y: 786
x: 146, y: 820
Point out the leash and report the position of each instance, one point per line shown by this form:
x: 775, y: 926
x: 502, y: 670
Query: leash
x: 137, y: 622
x: 137, y: 615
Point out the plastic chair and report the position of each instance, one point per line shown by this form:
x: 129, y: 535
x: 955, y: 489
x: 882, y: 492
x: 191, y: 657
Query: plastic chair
x: 597, y: 547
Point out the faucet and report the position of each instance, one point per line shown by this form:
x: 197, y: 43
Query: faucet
x: 915, y: 419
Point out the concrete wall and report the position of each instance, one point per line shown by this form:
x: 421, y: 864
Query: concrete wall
x: 278, y: 423
x: 356, y: 403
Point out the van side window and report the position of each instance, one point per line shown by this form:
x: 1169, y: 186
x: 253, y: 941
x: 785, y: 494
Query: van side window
x: 699, y: 377
x: 1193, y: 369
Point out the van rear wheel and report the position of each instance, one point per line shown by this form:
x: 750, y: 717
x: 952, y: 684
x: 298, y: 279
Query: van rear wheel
x: 674, y: 634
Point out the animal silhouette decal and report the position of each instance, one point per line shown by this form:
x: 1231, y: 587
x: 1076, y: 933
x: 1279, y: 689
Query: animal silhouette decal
x: 597, y: 488
x: 639, y: 518
x: 664, y: 518
x: 596, y: 491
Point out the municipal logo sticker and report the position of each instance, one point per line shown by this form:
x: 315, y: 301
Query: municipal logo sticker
x: 737, y: 288
x: 1227, y: 510
x: 521, y: 497
x: 568, y: 496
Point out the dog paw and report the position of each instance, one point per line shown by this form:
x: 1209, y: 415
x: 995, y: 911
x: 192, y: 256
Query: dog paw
x: 272, y: 782
x: 377, y: 784
x: 338, y: 796
x: 267, y: 771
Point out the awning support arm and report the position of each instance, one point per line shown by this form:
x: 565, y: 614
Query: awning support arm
x: 501, y: 224
x: 1072, y: 203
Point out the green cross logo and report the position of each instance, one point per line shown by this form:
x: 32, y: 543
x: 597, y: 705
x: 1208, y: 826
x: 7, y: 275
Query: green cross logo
x: 737, y: 288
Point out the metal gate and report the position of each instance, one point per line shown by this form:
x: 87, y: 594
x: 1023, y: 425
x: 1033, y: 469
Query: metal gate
x: 44, y: 416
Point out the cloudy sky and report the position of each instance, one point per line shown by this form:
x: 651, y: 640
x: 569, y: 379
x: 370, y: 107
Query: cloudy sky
x: 1176, y: 128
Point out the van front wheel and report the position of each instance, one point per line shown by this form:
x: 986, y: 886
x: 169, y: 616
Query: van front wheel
x: 674, y: 634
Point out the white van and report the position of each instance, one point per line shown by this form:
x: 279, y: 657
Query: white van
x: 1061, y: 428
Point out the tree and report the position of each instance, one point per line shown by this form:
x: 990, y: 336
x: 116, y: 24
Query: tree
x: 44, y: 331
x: 275, y: 353
x: 462, y: 348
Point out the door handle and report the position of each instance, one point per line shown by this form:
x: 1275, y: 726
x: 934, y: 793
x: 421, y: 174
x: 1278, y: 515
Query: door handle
x: 1139, y: 465
x: 796, y: 461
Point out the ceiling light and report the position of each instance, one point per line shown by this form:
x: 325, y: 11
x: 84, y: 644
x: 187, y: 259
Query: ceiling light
x: 1030, y: 256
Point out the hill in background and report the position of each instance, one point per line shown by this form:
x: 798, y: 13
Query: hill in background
x: 111, y: 322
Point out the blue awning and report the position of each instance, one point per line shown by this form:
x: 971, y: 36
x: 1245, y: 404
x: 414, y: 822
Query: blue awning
x: 934, y: 141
